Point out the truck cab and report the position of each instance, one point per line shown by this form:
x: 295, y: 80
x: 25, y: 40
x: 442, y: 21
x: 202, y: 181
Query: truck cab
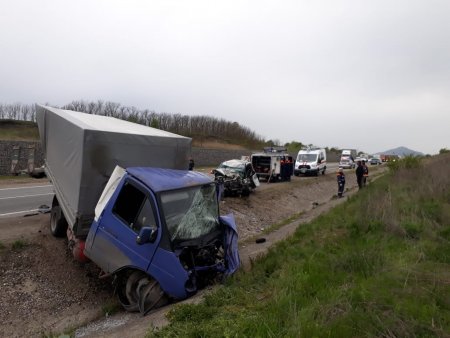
x: 158, y: 231
x: 311, y: 161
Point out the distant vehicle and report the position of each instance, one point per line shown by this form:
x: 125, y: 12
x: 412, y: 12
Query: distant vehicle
x: 375, y: 161
x: 347, y: 160
x: 274, y: 164
x: 389, y: 158
x: 38, y: 172
x: 364, y: 157
x: 237, y: 176
x: 347, y: 163
x: 311, y: 161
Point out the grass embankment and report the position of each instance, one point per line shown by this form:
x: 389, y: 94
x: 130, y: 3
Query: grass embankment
x: 378, y: 265
x: 12, y: 130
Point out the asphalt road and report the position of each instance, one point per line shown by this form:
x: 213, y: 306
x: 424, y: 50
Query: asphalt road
x: 22, y: 200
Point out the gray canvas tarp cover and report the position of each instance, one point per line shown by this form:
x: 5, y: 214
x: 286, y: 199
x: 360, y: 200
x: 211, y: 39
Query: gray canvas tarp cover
x: 82, y: 150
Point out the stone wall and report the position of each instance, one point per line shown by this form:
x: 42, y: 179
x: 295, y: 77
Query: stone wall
x: 213, y: 157
x: 20, y: 151
x: 17, y: 155
x: 202, y: 156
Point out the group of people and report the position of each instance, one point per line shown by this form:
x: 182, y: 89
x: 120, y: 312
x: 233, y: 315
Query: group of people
x: 362, y: 172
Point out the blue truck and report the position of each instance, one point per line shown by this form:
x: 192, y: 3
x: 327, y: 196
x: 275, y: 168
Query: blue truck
x: 156, y: 230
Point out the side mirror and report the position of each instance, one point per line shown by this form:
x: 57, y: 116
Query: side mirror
x: 147, y: 235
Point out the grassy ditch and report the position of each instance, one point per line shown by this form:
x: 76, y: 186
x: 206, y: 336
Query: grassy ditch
x: 377, y: 265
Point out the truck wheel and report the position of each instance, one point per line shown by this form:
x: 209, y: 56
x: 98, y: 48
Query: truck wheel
x: 142, y: 293
x: 323, y: 171
x: 58, y: 223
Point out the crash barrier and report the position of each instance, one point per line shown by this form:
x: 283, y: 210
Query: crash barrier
x: 18, y: 156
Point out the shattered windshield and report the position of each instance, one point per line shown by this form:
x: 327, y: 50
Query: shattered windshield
x: 232, y: 165
x: 306, y: 157
x: 191, y: 213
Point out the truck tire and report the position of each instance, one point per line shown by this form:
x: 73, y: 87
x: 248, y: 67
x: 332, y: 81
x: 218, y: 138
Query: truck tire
x: 138, y: 291
x: 58, y: 223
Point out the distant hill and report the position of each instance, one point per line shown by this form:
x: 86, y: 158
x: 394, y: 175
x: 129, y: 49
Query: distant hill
x: 401, y: 151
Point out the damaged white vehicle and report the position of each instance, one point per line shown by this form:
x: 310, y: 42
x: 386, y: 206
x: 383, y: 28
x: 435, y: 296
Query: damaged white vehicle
x: 237, y: 177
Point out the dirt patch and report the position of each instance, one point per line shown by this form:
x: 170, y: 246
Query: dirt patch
x: 44, y: 290
x: 18, y: 181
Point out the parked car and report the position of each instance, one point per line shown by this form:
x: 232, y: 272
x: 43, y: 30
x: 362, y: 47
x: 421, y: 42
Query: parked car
x: 237, y: 176
x: 375, y: 161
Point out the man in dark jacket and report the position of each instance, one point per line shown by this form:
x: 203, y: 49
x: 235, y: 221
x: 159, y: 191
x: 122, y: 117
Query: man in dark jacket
x: 191, y: 164
x: 341, y: 181
x: 359, y: 174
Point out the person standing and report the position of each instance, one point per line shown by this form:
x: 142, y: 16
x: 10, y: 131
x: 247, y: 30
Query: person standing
x: 191, y: 164
x: 359, y: 174
x: 365, y: 173
x: 341, y: 182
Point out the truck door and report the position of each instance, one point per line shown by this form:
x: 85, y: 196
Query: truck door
x: 114, y: 246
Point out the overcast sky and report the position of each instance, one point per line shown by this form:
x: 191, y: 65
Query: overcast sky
x: 371, y: 75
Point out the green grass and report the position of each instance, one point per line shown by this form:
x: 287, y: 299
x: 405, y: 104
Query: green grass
x: 111, y: 307
x: 18, y: 245
x: 12, y: 130
x: 377, y: 265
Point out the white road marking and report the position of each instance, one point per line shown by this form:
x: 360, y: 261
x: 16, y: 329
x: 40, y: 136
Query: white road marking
x: 33, y: 186
x: 19, y: 212
x: 8, y: 198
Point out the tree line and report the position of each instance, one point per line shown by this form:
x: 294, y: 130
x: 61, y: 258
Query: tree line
x: 199, y: 127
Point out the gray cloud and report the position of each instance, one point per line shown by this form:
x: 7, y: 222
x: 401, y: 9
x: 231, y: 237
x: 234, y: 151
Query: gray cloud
x: 371, y: 75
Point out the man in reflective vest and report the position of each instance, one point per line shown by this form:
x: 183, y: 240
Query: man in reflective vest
x: 365, y: 173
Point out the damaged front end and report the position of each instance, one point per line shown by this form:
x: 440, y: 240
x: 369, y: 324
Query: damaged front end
x: 204, y: 242
x: 237, y: 177
x: 210, y: 259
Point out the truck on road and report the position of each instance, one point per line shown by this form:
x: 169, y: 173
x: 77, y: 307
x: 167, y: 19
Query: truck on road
x: 125, y: 200
x: 348, y: 157
x: 274, y: 164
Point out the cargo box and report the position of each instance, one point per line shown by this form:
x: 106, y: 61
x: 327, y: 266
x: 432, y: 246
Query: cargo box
x: 82, y: 150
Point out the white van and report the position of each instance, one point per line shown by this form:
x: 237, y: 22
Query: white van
x: 311, y: 161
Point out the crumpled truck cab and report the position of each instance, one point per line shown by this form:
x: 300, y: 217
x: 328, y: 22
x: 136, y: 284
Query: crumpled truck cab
x: 159, y: 232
